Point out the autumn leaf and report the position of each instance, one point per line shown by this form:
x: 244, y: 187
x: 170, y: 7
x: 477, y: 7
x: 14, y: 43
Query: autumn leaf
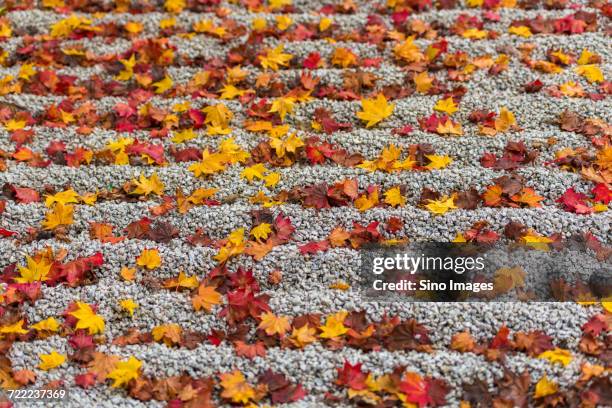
x: 394, y: 197
x: 182, y: 281
x: 125, y: 371
x: 273, y: 324
x: 283, y: 106
x: 522, y: 31
x: 87, y: 319
x: 275, y: 58
x: 34, y: 271
x: 59, y: 215
x: 505, y: 120
x: 561, y: 356
x: 64, y: 197
x: 149, y: 258
x: 235, y: 387
x: 375, y: 110
x: 446, y: 105
x: 544, y: 388
x: 423, y: 82
x: 52, y: 360
x: 462, y: 342
x: 48, y: 325
x: 438, y: 162
x: 145, y: 186
x: 170, y: 334
x: 127, y: 273
x: 591, y: 72
x: 303, y: 336
x: 334, y: 326
x: 15, y: 328
x: 163, y: 85
x: 128, y: 305
x: 441, y: 206
x: 261, y: 231
x: 206, y: 298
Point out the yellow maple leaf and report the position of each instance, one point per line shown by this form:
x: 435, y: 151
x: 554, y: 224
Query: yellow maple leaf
x: 446, y: 105
x: 14, y: 124
x: 438, y: 162
x: 366, y: 201
x: 236, y: 388
x: 272, y: 179
x: 34, y: 271
x: 275, y: 58
x: 334, y: 325
x: 273, y: 324
x: 125, y: 371
x: 262, y: 231
x: 474, y: 34
x: 211, y: 163
x: 88, y: 319
x: 206, y: 298
x: 375, y: 110
x: 26, y: 71
x: 505, y: 120
x: 255, y: 171
x: 149, y: 258
x: 585, y: 57
x: 59, y: 215
x: 170, y: 334
x: 522, y: 31
x: 49, y: 325
x: 64, y: 197
x: 394, y: 197
x: 283, y: 106
x: 235, y: 245
x: 283, y: 22
x: 133, y: 27
x: 591, y: 72
x: 282, y: 146
x: 442, y: 205
x: 229, y: 92
x: 218, y: 116
x: 163, y: 85
x: 128, y: 68
x: 182, y: 281
x: 128, y: 273
x: 325, y: 23
x: 145, y: 186
x: 174, y: 6
x: 545, y: 387
x: 423, y: 82
x: 561, y: 356
x: 343, y: 57
x: 128, y: 305
x: 52, y: 360
x: 183, y: 136
x: 303, y: 336
x: 408, y: 51
x: 15, y: 328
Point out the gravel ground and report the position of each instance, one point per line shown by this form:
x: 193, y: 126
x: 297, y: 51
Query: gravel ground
x: 305, y: 286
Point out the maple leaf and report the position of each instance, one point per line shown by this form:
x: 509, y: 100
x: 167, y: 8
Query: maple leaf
x: 163, y: 85
x: 149, y: 258
x: 522, y: 31
x: 462, y: 342
x: 88, y: 319
x: 52, y: 360
x: 170, y: 334
x: 561, y: 356
x: 273, y: 324
x: 145, y: 186
x: 236, y: 388
x: 15, y: 328
x: 262, y: 231
x: 206, y: 298
x: 591, y: 72
x: 283, y: 106
x: 34, y: 271
x: 303, y: 336
x: 127, y: 273
x: 367, y: 201
x: 544, y: 388
x: 125, y: 371
x: 182, y: 281
x: 49, y: 325
x: 290, y: 144
x: 65, y: 197
x: 415, y: 388
x: 449, y: 128
x: 438, y: 162
x: 423, y: 82
x: 235, y: 245
x: 394, y: 197
x: 183, y: 136
x: 334, y: 326
x: 441, y: 206
x: 446, y: 105
x: 528, y: 196
x: 375, y: 110
x: 128, y: 305
x: 505, y: 120
x: 59, y: 215
x: 275, y: 58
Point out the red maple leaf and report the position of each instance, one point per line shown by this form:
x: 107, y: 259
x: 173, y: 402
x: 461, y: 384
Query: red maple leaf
x: 351, y: 376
